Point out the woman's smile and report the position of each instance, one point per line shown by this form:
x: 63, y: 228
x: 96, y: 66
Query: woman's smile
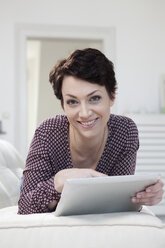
x: 88, y: 124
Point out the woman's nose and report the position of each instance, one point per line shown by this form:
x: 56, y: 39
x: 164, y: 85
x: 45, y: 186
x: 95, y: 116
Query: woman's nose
x: 85, y: 111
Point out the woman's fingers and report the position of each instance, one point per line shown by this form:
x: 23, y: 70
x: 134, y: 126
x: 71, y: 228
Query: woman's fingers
x: 144, y: 194
x: 151, y: 196
x: 147, y: 201
x: 155, y: 187
x: 61, y: 176
x: 97, y: 174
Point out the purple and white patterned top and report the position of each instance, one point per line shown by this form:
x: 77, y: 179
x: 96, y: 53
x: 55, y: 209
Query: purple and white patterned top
x: 49, y: 153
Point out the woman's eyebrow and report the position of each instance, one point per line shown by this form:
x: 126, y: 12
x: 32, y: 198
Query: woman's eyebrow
x: 87, y: 95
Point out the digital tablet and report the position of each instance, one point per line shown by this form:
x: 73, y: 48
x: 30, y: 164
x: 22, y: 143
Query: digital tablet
x: 98, y: 195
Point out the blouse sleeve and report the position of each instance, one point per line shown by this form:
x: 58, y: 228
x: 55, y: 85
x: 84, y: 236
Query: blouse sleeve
x: 126, y: 162
x: 37, y: 190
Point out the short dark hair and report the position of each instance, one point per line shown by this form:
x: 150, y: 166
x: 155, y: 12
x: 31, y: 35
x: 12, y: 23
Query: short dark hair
x: 88, y: 64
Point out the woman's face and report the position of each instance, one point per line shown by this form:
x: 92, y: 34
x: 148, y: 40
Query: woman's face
x: 86, y: 105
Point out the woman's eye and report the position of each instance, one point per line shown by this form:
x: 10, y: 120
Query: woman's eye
x: 71, y: 102
x: 95, y: 98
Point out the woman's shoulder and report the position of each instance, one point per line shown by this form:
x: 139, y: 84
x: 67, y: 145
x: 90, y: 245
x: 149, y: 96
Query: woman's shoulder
x: 58, y: 122
x: 121, y: 122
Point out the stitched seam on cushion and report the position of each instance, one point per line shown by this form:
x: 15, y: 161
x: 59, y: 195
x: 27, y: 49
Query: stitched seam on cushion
x: 83, y: 225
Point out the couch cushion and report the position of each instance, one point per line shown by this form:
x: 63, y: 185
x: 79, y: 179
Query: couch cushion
x: 10, y: 218
x: 129, y: 229
x: 11, y: 167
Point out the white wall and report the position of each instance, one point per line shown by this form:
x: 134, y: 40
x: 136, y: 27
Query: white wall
x: 140, y: 49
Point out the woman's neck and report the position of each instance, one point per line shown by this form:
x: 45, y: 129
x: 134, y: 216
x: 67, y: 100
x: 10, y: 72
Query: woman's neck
x: 83, y: 148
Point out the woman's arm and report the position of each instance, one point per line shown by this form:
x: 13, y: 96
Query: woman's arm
x: 37, y: 190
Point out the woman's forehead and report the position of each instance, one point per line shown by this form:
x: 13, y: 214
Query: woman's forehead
x: 74, y: 86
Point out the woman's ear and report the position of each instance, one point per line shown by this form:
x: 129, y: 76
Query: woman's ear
x: 112, y: 101
x: 62, y: 103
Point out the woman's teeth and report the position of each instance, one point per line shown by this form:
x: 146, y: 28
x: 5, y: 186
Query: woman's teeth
x: 88, y: 123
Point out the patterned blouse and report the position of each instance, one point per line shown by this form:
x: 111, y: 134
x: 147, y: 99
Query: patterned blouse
x: 49, y: 153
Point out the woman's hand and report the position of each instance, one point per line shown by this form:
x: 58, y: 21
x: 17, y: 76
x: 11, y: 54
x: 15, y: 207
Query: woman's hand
x: 61, y: 177
x: 151, y: 196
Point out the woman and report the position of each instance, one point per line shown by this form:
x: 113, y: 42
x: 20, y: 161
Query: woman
x: 87, y: 142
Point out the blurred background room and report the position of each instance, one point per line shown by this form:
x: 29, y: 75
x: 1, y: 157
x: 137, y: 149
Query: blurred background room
x: 36, y: 34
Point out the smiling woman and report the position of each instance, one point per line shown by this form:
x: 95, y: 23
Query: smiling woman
x: 88, y: 141
x: 88, y: 108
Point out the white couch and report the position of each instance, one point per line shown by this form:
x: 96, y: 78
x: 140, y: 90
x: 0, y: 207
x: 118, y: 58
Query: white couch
x: 11, y: 167
x: 129, y: 229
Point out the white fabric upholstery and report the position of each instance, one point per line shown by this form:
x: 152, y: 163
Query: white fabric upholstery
x: 11, y: 167
x: 116, y: 230
x: 129, y: 229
